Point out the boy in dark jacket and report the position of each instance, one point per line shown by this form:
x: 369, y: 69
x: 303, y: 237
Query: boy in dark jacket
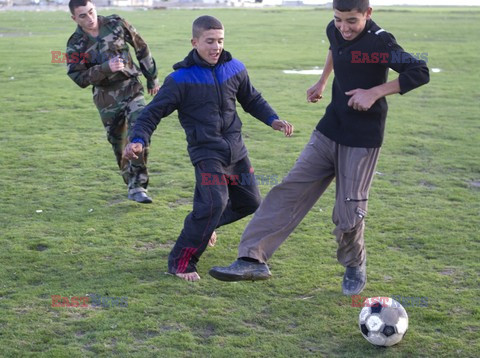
x: 203, y: 89
x: 344, y: 146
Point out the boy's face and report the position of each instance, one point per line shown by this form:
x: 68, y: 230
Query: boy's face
x: 351, y: 23
x: 209, y: 45
x: 86, y: 17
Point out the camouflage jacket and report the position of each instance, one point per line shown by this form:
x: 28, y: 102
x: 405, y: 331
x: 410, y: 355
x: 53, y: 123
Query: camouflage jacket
x: 87, y: 57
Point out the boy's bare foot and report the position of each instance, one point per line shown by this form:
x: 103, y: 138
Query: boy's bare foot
x: 213, y: 240
x: 190, y: 276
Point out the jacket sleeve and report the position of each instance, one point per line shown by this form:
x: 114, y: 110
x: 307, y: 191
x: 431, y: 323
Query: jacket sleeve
x: 163, y: 104
x: 413, y: 71
x: 77, y: 68
x: 142, y: 52
x: 252, y: 101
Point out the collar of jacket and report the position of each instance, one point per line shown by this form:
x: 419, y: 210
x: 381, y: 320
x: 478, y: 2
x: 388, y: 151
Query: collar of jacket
x: 193, y: 58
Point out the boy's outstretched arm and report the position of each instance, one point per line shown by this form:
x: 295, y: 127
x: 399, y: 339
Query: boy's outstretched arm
x: 315, y: 92
x: 165, y: 102
x: 252, y: 102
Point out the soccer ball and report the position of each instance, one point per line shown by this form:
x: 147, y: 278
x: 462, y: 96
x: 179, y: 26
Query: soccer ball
x: 383, y: 321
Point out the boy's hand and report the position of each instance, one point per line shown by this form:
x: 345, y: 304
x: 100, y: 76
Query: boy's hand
x: 116, y: 64
x: 132, y: 150
x: 315, y: 92
x: 361, y: 99
x: 153, y: 91
x: 284, y: 126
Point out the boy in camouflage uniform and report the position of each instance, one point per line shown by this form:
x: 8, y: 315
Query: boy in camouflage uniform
x: 98, y: 55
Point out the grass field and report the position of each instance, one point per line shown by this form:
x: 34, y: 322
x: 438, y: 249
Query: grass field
x: 422, y: 229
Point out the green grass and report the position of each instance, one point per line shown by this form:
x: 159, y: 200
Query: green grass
x: 422, y: 229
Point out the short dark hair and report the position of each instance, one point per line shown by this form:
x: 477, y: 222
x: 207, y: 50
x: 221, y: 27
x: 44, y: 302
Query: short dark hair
x: 350, y: 5
x: 77, y: 3
x: 205, y: 23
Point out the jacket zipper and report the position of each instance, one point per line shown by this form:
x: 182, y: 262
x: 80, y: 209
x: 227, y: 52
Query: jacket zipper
x: 220, y: 104
x: 219, y: 92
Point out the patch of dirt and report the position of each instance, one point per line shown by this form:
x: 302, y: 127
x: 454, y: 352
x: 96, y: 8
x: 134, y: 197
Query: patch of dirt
x: 179, y: 202
x: 475, y: 184
x: 447, y: 271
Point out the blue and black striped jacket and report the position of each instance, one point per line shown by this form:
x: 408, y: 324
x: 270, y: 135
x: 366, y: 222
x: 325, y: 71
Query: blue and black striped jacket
x: 205, y: 97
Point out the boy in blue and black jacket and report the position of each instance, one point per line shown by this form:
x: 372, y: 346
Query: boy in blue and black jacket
x: 204, y: 89
x: 344, y: 147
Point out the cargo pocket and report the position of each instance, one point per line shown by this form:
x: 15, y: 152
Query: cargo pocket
x: 355, y: 212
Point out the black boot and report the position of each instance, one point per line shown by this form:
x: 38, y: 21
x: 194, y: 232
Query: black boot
x: 241, y: 270
x: 355, y: 279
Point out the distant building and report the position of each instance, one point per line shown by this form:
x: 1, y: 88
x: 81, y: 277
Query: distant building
x: 133, y: 3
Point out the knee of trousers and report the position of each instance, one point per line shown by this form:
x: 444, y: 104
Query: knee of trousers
x: 214, y: 207
x: 115, y: 138
x: 252, y: 205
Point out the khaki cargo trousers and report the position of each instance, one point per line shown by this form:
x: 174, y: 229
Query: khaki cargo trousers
x: 119, y: 106
x: 284, y: 207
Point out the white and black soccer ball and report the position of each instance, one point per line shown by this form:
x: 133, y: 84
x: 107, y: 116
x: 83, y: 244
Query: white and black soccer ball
x: 383, y: 321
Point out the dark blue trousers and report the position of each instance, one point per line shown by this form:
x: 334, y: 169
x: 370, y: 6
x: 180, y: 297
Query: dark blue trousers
x: 222, y: 196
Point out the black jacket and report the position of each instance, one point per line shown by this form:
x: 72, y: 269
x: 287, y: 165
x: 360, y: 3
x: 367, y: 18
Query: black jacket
x: 364, y: 63
x: 205, y: 98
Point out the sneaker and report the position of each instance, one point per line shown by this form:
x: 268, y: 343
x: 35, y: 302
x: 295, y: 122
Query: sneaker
x: 354, y: 279
x: 241, y: 270
x: 140, y: 197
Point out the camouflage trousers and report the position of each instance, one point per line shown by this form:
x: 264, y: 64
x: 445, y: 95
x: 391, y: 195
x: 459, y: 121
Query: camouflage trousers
x: 119, y: 106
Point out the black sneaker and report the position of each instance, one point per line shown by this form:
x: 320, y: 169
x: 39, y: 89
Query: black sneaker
x: 355, y: 279
x: 241, y: 270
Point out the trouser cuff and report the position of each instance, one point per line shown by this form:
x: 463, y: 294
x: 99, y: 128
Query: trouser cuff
x: 137, y: 190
